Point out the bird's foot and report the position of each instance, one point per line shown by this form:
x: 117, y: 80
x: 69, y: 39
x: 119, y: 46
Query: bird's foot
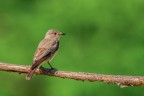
x: 53, y: 68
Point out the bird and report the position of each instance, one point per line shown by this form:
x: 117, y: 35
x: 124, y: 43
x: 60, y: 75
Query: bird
x: 46, y: 50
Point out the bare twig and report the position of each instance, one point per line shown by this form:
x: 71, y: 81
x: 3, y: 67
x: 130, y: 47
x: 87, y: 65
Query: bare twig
x: 122, y: 81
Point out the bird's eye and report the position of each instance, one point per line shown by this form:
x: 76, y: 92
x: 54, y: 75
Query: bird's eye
x: 55, y: 33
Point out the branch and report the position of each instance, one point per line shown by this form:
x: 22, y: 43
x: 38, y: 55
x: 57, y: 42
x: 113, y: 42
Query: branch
x: 122, y: 81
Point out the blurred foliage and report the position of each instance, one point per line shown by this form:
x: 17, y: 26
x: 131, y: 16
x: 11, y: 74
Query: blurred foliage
x: 103, y: 36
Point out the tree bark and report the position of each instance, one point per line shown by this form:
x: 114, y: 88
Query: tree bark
x: 122, y: 81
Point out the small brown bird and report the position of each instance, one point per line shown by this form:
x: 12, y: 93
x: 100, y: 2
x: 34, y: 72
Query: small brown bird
x: 45, y: 51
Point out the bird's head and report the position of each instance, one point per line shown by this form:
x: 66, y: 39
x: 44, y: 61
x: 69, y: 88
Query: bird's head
x: 52, y: 33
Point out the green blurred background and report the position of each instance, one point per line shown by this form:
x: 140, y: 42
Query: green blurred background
x: 103, y: 36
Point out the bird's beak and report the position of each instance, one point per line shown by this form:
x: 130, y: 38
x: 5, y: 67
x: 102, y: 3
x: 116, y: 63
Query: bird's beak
x: 62, y: 34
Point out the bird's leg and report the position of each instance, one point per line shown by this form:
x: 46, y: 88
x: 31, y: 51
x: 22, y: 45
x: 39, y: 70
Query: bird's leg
x: 41, y: 66
x: 50, y: 65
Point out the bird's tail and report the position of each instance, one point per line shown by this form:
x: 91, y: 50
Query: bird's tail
x: 30, y: 74
x: 34, y: 66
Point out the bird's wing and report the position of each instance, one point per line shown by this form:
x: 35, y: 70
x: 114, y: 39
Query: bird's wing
x: 45, y: 47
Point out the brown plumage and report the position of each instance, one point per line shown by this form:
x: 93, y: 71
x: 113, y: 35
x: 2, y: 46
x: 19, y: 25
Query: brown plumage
x: 45, y: 51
